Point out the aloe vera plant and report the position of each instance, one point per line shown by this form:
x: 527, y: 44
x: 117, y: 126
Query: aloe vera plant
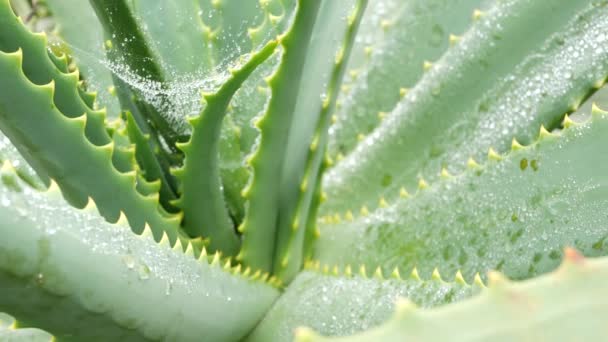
x: 359, y: 170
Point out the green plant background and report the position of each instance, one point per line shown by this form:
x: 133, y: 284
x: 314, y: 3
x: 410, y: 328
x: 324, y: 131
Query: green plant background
x: 360, y: 170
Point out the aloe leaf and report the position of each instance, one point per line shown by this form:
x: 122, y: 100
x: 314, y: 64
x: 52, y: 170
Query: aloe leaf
x: 152, y: 168
x: 38, y: 125
x: 202, y: 200
x: 503, y: 79
x: 9, y: 331
x: 338, y: 303
x: 128, y: 45
x: 48, y: 281
x: 567, y: 304
x: 303, y: 165
x: 514, y: 214
x: 84, y: 38
x: 259, y: 226
x: 415, y: 32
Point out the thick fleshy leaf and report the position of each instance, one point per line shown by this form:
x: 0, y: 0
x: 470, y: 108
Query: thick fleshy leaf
x: 514, y: 214
x: 77, y: 25
x: 342, y: 304
x: 69, y: 272
x: 10, y: 333
x: 519, y: 66
x: 414, y: 32
x: 567, y: 305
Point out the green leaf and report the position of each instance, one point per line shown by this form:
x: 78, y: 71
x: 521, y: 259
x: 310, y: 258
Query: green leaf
x: 342, y: 304
x: 78, y: 27
x: 202, y: 200
x: 566, y: 305
x: 10, y: 333
x: 519, y: 66
x: 414, y: 32
x: 514, y: 214
x: 61, y: 138
x: 259, y: 227
x: 308, y: 142
x: 47, y: 250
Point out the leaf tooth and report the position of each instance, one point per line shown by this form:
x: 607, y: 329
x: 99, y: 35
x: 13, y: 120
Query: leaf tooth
x: 395, y: 274
x: 426, y: 65
x: 572, y: 257
x: 445, y: 174
x: 147, y: 232
x: 368, y: 50
x: 378, y: 273
x: 567, y: 122
x: 516, y: 146
x: 178, y: 247
x: 335, y: 270
x: 404, y: 307
x: 348, y: 271
x: 53, y: 190
x: 237, y: 269
x: 454, y: 39
x: 285, y: 260
x: 364, y: 211
x: 362, y: 271
x: 496, y: 280
x: 599, y: 83
x: 189, y: 249
x: 544, y: 134
x: 91, y: 207
x: 203, y: 256
x: 274, y: 281
x: 325, y: 269
x: 477, y: 14
x: 323, y: 197
x: 596, y: 111
x: 414, y: 274
x: 459, y: 279
x: 436, y: 276
x: 422, y: 184
x: 403, y: 193
x: 382, y: 115
x: 7, y: 167
x: 165, y: 241
x: 349, y: 216
x: 477, y: 281
x: 227, y: 264
x: 472, y: 164
x: 216, y: 259
x: 360, y: 137
x: 382, y: 203
x: 403, y: 92
x: 337, y: 218
x: 493, y: 155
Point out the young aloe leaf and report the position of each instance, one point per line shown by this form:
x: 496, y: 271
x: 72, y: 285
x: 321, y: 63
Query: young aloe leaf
x: 151, y: 166
x: 128, y: 46
x: 514, y: 215
x: 567, y: 304
x: 78, y: 27
x: 202, y: 200
x: 10, y: 332
x: 339, y: 303
x: 48, y: 281
x: 502, y: 80
x: 418, y: 32
x: 260, y: 224
x: 300, y: 175
x: 58, y: 145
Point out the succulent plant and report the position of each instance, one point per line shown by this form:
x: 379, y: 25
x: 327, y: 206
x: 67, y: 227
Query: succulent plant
x: 224, y: 170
